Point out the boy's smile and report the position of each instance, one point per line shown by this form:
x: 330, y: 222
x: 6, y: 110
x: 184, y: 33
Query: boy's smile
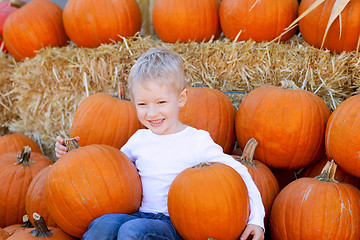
x: 157, y: 107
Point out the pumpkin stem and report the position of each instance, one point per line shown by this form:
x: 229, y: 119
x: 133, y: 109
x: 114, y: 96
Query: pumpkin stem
x: 17, y: 3
x: 121, y: 93
x: 288, y: 84
x: 328, y: 172
x: 41, y: 229
x: 4, y: 129
x: 24, y: 157
x: 71, y: 143
x: 248, y: 154
x: 26, y: 222
x: 203, y: 164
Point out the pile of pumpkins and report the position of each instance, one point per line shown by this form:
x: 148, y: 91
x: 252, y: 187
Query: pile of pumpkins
x: 92, y: 23
x: 276, y: 127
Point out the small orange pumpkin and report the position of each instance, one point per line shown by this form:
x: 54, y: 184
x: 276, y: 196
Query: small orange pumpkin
x: 13, y: 142
x: 91, y: 23
x: 104, y: 119
x: 209, y: 200
x: 17, y: 169
x: 259, y: 20
x: 211, y: 110
x: 344, y: 32
x: 185, y: 20
x: 35, y: 25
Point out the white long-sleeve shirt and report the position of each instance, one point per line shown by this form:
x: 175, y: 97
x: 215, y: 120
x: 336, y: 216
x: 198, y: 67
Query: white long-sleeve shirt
x: 160, y: 158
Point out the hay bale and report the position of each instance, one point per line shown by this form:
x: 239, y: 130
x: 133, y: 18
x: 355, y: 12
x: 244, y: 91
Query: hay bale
x: 7, y: 64
x: 48, y: 88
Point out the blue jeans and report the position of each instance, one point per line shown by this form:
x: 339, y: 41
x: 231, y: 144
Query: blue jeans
x: 137, y: 226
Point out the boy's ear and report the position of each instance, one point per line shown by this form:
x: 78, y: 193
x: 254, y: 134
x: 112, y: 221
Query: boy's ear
x: 183, y: 97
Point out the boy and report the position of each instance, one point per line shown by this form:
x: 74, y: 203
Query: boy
x: 157, y: 86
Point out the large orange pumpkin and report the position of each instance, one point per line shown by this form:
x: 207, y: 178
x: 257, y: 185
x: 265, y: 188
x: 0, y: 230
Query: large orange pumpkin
x: 316, y: 208
x: 104, y: 119
x: 15, y: 142
x: 344, y: 32
x: 259, y: 20
x: 289, y: 124
x: 41, y: 231
x: 35, y: 25
x: 343, y: 134
x: 211, y: 110
x: 35, y: 198
x: 185, y: 20
x: 209, y: 200
x: 88, y: 182
x: 17, y: 169
x: 263, y: 178
x: 91, y: 23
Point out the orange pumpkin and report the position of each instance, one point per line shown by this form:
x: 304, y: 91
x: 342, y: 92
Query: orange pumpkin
x: 196, y: 20
x: 35, y: 25
x: 343, y: 34
x: 209, y: 200
x: 340, y: 176
x: 17, y: 169
x: 35, y: 198
x: 289, y: 124
x: 88, y: 182
x: 41, y: 231
x: 91, y: 23
x: 15, y: 142
x: 258, y: 20
x: 104, y: 119
x: 211, y: 110
x: 316, y: 208
x: 262, y: 176
x: 19, y: 226
x: 342, y: 135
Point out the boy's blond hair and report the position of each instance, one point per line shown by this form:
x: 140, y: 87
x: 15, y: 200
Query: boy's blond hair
x: 160, y: 65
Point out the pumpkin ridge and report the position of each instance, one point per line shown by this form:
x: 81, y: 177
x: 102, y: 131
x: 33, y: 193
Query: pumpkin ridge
x: 55, y: 207
x: 6, y: 198
x: 107, y: 154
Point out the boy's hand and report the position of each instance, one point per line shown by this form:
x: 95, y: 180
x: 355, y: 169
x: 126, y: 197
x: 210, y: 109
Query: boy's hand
x: 60, y: 149
x: 255, y: 231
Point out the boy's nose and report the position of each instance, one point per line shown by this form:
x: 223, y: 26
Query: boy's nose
x: 152, y: 111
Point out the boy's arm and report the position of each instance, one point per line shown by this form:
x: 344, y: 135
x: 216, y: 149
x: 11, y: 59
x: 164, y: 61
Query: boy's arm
x: 214, y: 153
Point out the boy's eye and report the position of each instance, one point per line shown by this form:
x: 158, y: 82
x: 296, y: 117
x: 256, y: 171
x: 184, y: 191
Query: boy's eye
x: 141, y: 104
x: 162, y: 102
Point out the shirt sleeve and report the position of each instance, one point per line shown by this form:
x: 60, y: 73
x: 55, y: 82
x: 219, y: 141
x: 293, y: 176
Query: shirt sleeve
x: 128, y: 146
x: 212, y: 152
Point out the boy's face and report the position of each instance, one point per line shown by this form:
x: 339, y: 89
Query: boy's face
x: 157, y: 107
